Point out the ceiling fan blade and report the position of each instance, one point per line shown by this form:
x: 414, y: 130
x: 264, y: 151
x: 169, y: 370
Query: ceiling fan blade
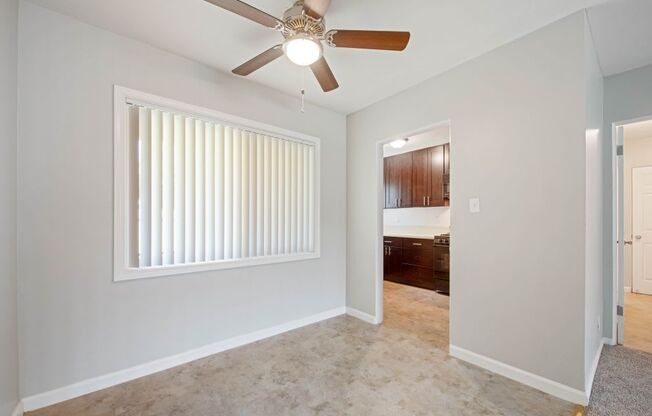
x: 259, y: 61
x: 250, y: 12
x: 324, y: 75
x: 368, y: 39
x: 316, y: 8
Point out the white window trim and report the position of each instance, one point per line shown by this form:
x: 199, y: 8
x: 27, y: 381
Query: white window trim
x: 121, y: 271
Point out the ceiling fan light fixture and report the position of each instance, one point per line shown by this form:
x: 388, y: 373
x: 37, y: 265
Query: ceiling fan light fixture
x: 398, y: 144
x: 304, y: 30
x: 303, y: 50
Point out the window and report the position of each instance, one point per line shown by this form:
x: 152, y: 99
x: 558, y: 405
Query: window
x: 198, y: 190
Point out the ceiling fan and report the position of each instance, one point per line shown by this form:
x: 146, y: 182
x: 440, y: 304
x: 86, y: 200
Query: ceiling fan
x: 304, y: 30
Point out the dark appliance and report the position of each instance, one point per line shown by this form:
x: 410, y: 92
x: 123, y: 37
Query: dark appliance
x: 441, y: 263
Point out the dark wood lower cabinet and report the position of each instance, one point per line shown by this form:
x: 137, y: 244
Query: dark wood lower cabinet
x: 410, y: 261
x: 393, y: 259
x: 393, y: 254
x: 414, y: 276
x: 442, y: 285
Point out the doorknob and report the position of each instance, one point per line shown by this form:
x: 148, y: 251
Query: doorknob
x: 628, y: 242
x: 638, y: 237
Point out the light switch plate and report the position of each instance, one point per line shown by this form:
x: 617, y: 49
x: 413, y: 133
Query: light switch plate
x: 474, y: 205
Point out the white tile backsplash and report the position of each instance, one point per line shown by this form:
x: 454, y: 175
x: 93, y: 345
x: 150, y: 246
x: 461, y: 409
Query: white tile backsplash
x: 418, y: 217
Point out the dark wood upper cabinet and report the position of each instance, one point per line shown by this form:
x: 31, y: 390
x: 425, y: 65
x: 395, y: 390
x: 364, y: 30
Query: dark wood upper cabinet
x: 405, y: 193
x: 386, y: 180
x: 392, y: 182
x: 421, y: 178
x: 436, y: 171
x: 398, y: 181
x: 447, y: 174
x: 417, y: 179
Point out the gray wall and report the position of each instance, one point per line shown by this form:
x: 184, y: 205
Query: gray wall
x: 518, y: 143
x: 594, y: 95
x: 8, y: 333
x: 626, y: 96
x: 75, y: 323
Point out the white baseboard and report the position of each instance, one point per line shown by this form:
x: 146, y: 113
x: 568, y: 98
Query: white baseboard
x: 362, y: 315
x: 18, y: 411
x: 628, y: 289
x: 551, y: 387
x: 594, y: 369
x: 98, y: 383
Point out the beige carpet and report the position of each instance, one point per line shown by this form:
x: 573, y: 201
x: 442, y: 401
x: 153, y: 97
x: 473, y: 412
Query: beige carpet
x: 342, y: 366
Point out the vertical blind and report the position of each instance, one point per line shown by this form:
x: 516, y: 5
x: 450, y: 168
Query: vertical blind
x: 204, y: 192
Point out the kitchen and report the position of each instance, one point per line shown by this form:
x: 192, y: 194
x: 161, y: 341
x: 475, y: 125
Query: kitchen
x: 416, y: 217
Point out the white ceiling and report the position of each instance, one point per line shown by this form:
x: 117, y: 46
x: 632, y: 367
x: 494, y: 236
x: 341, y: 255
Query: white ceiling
x: 445, y: 33
x: 433, y: 137
x: 622, y: 32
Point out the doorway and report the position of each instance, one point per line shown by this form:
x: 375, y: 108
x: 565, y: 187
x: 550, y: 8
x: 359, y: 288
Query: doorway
x: 414, y: 279
x: 633, y: 226
x: 641, y: 227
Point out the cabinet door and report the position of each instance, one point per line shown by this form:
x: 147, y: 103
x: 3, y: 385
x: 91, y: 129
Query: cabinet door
x: 385, y: 260
x: 447, y: 173
x: 436, y: 177
x: 394, y: 261
x: 405, y: 187
x: 392, y: 182
x: 421, y: 177
x: 386, y: 181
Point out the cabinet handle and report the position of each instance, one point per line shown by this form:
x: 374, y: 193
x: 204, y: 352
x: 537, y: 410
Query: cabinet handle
x: 424, y: 201
x: 417, y: 244
x: 428, y: 201
x: 390, y: 251
x: 388, y: 241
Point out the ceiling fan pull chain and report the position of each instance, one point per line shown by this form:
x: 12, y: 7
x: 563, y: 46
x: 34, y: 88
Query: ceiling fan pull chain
x: 303, y: 90
x: 303, y: 101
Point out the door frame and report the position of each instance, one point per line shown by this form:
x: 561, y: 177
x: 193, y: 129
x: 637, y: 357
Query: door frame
x: 380, y: 206
x: 617, y: 227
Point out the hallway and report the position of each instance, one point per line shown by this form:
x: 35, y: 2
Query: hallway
x: 638, y: 322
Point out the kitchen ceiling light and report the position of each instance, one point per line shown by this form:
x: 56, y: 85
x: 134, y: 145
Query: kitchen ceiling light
x: 302, y: 51
x: 397, y: 144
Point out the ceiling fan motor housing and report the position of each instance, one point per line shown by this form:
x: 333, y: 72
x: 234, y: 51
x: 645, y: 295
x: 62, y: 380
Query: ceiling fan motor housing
x: 297, y: 22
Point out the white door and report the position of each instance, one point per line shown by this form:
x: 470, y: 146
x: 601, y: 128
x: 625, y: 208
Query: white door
x: 642, y: 230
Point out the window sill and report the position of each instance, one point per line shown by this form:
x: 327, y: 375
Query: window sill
x: 129, y: 273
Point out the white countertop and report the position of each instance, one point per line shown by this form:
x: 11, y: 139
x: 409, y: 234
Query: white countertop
x: 414, y: 232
